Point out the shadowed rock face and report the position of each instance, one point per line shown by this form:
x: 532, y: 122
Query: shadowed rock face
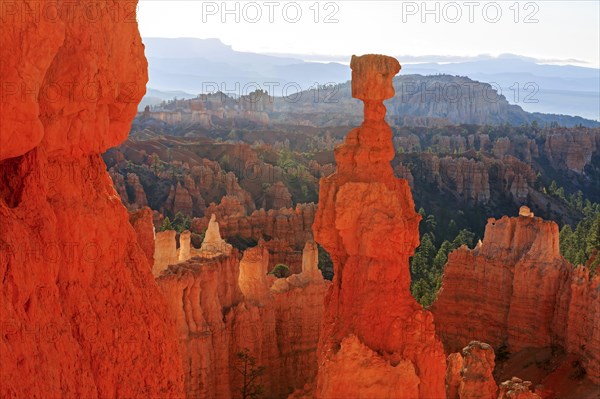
x: 367, y: 222
x: 83, y: 312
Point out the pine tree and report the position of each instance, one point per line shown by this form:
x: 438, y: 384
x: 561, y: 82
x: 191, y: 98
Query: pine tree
x: 250, y: 372
x: 166, y: 225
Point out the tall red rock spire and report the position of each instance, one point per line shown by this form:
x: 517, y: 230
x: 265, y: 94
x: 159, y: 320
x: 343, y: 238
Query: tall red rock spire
x: 376, y: 340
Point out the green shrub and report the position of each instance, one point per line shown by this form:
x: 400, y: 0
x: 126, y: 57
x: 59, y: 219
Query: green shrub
x: 280, y: 271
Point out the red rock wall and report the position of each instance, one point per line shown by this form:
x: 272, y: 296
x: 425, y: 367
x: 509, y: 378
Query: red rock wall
x: 516, y: 289
x: 577, y: 319
x: 80, y: 312
x: 287, y: 229
x: 224, y: 305
x: 142, y: 223
x: 571, y: 150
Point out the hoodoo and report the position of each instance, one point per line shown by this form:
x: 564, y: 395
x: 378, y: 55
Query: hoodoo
x: 376, y: 340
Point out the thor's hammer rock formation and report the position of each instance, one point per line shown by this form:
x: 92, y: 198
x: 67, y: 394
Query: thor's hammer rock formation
x: 376, y: 340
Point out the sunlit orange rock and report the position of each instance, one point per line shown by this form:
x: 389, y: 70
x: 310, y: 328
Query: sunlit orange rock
x: 81, y: 314
x: 358, y: 369
x: 515, y: 289
x: 253, y: 275
x: 165, y: 251
x: 223, y: 304
x: 367, y: 222
x: 285, y: 230
x: 492, y: 284
x: 184, y: 251
x: 213, y: 245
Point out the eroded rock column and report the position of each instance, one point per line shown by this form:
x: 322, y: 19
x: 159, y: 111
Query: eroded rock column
x: 376, y: 340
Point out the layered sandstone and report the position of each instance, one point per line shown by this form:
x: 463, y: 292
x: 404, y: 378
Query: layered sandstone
x: 213, y: 245
x: 225, y: 304
x: 469, y: 376
x: 165, y: 251
x: 471, y: 178
x: 184, y: 251
x: 291, y: 225
x: 376, y: 341
x: 279, y: 196
x: 141, y: 220
x: 185, y: 184
x: 571, y: 150
x: 138, y: 196
x: 577, y: 319
x: 253, y: 280
x: 80, y: 312
x: 285, y: 231
x: 477, y: 381
x: 515, y: 289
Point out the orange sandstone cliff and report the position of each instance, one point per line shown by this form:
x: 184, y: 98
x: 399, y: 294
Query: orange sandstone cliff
x: 81, y: 314
x: 514, y: 289
x: 224, y: 303
x: 376, y: 340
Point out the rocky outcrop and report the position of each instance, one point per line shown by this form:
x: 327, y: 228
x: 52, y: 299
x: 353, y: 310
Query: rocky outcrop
x: 310, y: 271
x: 468, y: 177
x: 141, y: 220
x: 253, y: 280
x: 577, y: 319
x: 469, y: 376
x: 367, y: 222
x: 516, y: 388
x: 179, y: 200
x: 278, y: 196
x: 356, y: 367
x: 213, y: 245
x: 137, y: 198
x: 285, y: 230
x: 223, y: 305
x: 454, y: 367
x: 185, y: 184
x: 290, y: 225
x: 198, y: 294
x: 299, y: 309
x: 80, y: 312
x: 571, y: 150
x: 165, y: 251
x: 184, y: 251
x: 515, y: 289
x: 477, y: 381
x: 215, y: 110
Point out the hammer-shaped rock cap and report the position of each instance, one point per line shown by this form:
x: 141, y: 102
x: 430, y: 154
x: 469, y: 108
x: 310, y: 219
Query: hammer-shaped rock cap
x: 372, y: 76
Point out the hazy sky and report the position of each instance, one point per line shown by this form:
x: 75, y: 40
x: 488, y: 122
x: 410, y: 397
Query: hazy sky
x: 548, y: 30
